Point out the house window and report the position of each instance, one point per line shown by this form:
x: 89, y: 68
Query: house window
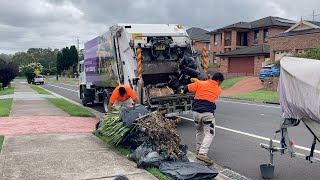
x: 265, y: 34
x: 214, y: 57
x: 208, y: 46
x: 215, y: 39
x: 256, y: 36
x: 242, y: 39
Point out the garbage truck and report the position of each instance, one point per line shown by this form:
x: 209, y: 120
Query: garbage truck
x: 156, y: 60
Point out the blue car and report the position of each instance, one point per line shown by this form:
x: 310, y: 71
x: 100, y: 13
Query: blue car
x: 269, y: 71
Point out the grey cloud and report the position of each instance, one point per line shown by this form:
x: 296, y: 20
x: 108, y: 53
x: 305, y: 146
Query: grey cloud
x: 57, y: 23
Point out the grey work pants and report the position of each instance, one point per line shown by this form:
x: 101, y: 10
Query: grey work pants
x: 205, y: 125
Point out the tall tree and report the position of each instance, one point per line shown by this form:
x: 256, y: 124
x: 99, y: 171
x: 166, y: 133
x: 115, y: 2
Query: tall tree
x: 23, y: 58
x: 74, y: 57
x: 6, y: 57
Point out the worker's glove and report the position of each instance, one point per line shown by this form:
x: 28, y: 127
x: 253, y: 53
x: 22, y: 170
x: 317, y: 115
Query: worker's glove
x: 194, y: 80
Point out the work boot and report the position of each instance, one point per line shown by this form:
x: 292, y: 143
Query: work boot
x: 204, y: 158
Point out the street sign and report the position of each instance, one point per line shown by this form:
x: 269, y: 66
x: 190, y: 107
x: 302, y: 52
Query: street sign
x: 37, y: 71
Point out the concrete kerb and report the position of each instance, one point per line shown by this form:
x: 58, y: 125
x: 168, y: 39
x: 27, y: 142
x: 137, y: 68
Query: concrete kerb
x: 252, y: 100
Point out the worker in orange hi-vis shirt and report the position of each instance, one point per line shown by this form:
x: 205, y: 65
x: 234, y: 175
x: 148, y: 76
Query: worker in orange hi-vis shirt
x: 203, y: 107
x: 123, y: 95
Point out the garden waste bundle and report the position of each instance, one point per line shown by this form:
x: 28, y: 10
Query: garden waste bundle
x: 152, y: 139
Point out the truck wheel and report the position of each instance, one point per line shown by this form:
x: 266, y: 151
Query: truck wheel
x: 105, y: 101
x: 84, y: 99
x: 81, y: 93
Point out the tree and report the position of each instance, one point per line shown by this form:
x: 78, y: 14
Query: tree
x: 8, y: 71
x: 28, y: 70
x: 6, y: 57
x: 23, y: 58
x: 47, y: 57
x: 74, y: 57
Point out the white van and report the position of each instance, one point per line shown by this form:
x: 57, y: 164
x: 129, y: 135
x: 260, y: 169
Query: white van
x: 38, y: 79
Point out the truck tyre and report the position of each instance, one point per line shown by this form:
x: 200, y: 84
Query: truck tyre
x: 105, y: 101
x: 84, y: 99
x: 80, y: 90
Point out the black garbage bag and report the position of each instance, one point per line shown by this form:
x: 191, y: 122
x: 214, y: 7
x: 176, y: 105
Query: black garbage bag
x: 189, y: 62
x: 133, y: 140
x: 146, y: 156
x: 129, y: 114
x: 187, y: 170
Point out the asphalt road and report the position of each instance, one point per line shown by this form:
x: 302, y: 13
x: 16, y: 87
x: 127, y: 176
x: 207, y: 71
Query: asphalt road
x: 241, y: 127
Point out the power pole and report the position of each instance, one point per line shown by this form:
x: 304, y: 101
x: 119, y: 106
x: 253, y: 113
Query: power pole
x: 313, y: 15
x: 78, y: 45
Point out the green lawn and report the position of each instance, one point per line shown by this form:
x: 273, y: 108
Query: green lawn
x: 259, y: 95
x: 70, y: 108
x: 5, y: 105
x: 1, y: 141
x: 157, y: 173
x: 230, y: 82
x: 7, y: 91
x: 39, y: 89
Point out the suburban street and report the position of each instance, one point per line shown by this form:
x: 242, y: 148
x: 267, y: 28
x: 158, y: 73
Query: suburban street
x: 240, y: 127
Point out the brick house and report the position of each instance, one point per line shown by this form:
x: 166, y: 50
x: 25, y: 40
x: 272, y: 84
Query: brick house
x: 243, y: 47
x: 201, y: 38
x: 302, y: 36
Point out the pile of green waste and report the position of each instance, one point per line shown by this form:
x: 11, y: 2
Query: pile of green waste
x: 156, y: 130
x: 112, y: 127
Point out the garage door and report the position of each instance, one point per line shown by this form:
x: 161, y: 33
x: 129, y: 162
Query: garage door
x: 241, y: 65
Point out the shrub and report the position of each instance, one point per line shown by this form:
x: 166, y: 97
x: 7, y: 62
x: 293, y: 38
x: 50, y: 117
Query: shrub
x: 310, y: 54
x: 8, y: 71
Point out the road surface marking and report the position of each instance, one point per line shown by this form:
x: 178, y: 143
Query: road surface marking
x: 254, y: 136
x: 249, y: 104
x: 68, y: 84
x: 63, y: 88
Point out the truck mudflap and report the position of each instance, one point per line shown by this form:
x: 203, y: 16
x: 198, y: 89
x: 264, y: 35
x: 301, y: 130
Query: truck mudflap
x: 171, y: 103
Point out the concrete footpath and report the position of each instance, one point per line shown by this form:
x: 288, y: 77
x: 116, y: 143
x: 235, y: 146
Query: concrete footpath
x: 43, y: 142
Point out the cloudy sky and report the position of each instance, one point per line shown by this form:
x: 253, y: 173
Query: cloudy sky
x: 58, y: 23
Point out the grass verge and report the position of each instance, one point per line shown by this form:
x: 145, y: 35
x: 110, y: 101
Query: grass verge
x: 1, y: 141
x: 230, y: 82
x: 5, y: 105
x: 39, y: 89
x: 157, y: 173
x: 6, y: 91
x: 126, y: 152
x: 259, y: 95
x: 70, y: 108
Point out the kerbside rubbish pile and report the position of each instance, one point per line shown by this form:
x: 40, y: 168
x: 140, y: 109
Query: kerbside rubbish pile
x: 153, y: 141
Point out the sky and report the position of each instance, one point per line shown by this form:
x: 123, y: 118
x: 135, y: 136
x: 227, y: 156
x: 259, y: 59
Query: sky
x: 28, y: 24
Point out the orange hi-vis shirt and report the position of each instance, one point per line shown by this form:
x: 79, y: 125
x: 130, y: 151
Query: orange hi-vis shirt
x: 205, y: 90
x: 116, y: 96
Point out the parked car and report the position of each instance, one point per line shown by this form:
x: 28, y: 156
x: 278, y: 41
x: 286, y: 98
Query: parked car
x: 38, y: 79
x: 269, y: 71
